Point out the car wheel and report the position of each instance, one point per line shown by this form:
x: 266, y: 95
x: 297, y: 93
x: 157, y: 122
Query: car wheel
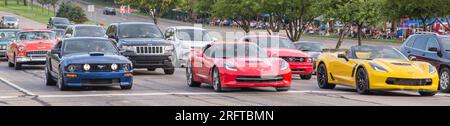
x: 444, y: 80
x: 61, y: 84
x: 362, y: 81
x: 427, y: 93
x: 280, y: 89
x: 322, y: 78
x: 48, y: 78
x: 169, y: 71
x: 306, y: 77
x: 190, y: 78
x: 216, y: 83
x: 17, y: 66
x: 127, y: 87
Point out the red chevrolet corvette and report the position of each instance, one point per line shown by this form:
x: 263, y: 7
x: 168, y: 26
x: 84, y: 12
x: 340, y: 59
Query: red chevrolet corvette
x: 31, y: 47
x: 277, y: 46
x: 235, y: 65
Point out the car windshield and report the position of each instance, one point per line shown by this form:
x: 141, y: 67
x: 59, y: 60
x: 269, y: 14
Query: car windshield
x: 59, y: 33
x: 36, y: 35
x: 238, y: 51
x: 193, y: 35
x: 312, y: 47
x: 61, y: 21
x: 86, y: 46
x: 445, y: 43
x: 377, y: 52
x: 7, y: 35
x: 273, y: 42
x: 10, y: 19
x: 89, y: 31
x: 139, y: 31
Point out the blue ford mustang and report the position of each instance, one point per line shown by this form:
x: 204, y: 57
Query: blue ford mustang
x: 78, y: 62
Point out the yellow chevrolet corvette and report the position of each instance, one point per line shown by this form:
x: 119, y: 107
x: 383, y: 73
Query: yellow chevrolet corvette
x: 376, y: 68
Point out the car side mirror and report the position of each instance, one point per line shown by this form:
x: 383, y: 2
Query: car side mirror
x: 413, y: 58
x: 170, y: 38
x: 343, y: 57
x: 55, y: 51
x: 67, y: 35
x: 433, y: 49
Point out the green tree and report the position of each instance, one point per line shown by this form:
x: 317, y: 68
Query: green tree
x: 155, y: 8
x: 73, y: 12
x: 204, y: 7
x: 299, y: 14
x: 241, y: 11
x: 54, y: 3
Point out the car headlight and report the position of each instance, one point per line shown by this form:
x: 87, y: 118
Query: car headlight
x: 129, y: 48
x: 126, y: 67
x: 169, y: 48
x: 86, y: 67
x: 114, y: 67
x: 230, y: 67
x: 377, y: 67
x: 284, y: 65
x: 310, y: 60
x: 21, y: 48
x: 432, y: 69
x: 72, y: 68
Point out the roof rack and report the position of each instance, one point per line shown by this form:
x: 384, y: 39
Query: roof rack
x: 426, y: 33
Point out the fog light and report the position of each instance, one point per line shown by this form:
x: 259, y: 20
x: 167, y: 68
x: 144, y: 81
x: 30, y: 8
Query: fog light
x: 71, y: 75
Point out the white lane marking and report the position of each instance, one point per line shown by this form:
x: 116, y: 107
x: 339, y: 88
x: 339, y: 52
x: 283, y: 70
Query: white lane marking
x: 172, y: 93
x: 8, y: 97
x: 20, y: 89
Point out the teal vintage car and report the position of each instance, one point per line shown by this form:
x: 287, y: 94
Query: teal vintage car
x: 6, y: 36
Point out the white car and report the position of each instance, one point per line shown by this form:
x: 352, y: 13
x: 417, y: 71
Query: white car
x: 9, y: 22
x: 185, y: 39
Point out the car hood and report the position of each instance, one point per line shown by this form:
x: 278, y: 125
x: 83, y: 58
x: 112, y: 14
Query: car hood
x: 144, y: 42
x: 286, y: 53
x: 255, y: 66
x: 405, y: 68
x: 313, y: 54
x: 38, y: 45
x: 88, y: 59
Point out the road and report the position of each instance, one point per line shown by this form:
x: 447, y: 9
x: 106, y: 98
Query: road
x: 27, y: 87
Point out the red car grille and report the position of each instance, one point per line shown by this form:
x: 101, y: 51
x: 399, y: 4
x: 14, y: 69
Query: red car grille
x: 294, y: 59
x: 36, y: 53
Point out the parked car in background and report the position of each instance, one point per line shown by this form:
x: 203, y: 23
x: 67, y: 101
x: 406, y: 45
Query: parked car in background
x: 369, y: 68
x: 109, y: 11
x: 30, y: 47
x: 6, y: 36
x: 314, y: 49
x: 277, y: 46
x: 85, y: 61
x: 431, y: 48
x: 185, y: 39
x: 58, y: 23
x: 237, y: 65
x: 9, y: 22
x: 144, y: 44
x: 85, y: 30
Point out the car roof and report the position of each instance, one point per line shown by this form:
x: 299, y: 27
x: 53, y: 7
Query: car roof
x: 86, y: 38
x: 264, y: 36
x: 83, y: 25
x: 10, y: 16
x: 9, y: 30
x: 307, y: 42
x: 32, y: 29
x: 225, y: 43
x: 59, y: 18
x: 136, y: 23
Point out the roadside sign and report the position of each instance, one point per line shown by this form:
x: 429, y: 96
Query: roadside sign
x: 91, y: 8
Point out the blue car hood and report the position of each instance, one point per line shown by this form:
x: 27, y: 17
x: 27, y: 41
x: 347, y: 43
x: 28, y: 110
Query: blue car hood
x: 144, y: 42
x: 88, y: 59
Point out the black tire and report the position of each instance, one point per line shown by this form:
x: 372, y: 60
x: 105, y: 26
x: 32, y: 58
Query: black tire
x: 217, y: 85
x: 282, y: 89
x: 427, y: 93
x: 444, y: 80
x: 128, y: 87
x: 190, y: 78
x: 322, y: 78
x: 60, y: 83
x: 306, y: 77
x: 362, y: 81
x: 48, y: 79
x: 17, y: 66
x: 169, y: 71
x: 10, y: 64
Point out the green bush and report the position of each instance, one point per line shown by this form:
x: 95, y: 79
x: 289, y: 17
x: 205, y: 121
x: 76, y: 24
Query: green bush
x: 73, y: 12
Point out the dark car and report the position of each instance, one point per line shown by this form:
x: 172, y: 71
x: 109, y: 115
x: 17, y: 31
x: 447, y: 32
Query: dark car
x: 109, y: 11
x: 6, y: 36
x: 85, y: 30
x: 432, y: 48
x: 314, y: 49
x: 59, y: 33
x: 144, y: 44
x: 86, y: 61
x: 58, y: 23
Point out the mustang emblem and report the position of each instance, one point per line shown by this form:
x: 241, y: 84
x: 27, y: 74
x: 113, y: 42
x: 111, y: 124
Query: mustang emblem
x: 101, y: 66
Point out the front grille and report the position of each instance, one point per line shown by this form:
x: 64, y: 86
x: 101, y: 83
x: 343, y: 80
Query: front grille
x: 259, y: 78
x: 294, y: 59
x: 409, y: 82
x: 100, y: 68
x: 100, y: 81
x: 298, y: 70
x: 149, y: 49
x: 61, y: 27
x: 36, y: 53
